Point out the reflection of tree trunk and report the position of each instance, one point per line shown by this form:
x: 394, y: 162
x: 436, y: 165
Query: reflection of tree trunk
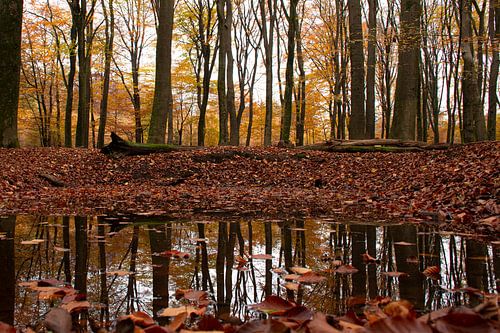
x: 410, y: 287
x: 358, y: 239
x: 81, y: 254
x: 81, y: 261
x: 230, y: 262
x: 268, y: 232
x: 430, y: 255
x: 219, y: 265
x: 102, y: 269
x: 205, y: 274
x: 371, y: 246
x: 7, y: 270
x: 286, y: 240
x: 132, y: 288
x: 475, y: 267
x: 160, y: 241
x: 67, y: 254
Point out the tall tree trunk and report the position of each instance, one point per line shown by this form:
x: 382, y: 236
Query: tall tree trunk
x: 473, y: 123
x: 221, y: 79
x: 83, y: 121
x: 234, y: 133
x: 68, y: 114
x: 108, y: 55
x: 301, y: 92
x: 494, y: 32
x: 163, y: 101
x: 407, y: 82
x: 287, y: 107
x: 268, y: 38
x: 370, y: 70
x: 11, y: 13
x: 357, y: 120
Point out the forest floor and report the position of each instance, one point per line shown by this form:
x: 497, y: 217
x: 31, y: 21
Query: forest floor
x: 457, y: 188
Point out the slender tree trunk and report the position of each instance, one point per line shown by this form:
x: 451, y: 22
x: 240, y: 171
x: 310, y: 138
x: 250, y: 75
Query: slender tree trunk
x: 268, y: 38
x: 370, y: 70
x: 357, y: 120
x: 162, y: 101
x: 221, y: 80
x: 11, y: 13
x: 301, y: 93
x: 234, y: 133
x: 108, y: 55
x: 473, y: 127
x: 68, y: 114
x: 494, y: 32
x: 287, y: 107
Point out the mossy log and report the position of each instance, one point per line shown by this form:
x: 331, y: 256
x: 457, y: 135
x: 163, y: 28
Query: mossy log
x: 375, y: 145
x: 121, y: 147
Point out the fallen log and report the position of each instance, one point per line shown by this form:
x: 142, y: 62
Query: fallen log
x: 54, y: 181
x: 375, y: 145
x: 121, y: 147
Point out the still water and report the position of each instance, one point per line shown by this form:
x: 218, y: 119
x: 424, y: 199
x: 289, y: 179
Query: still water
x: 125, y: 264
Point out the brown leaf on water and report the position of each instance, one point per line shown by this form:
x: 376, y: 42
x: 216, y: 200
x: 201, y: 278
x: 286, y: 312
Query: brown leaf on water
x: 395, y: 274
x: 346, y: 269
x: 76, y: 306
x: 178, y: 321
x: 463, y: 320
x: 398, y: 325
x: 368, y: 259
x: 311, y: 278
x: 402, y: 309
x: 432, y: 272
x: 58, y: 320
x: 264, y: 326
x: 262, y: 256
x: 274, y: 305
x: 292, y: 286
x: 319, y: 324
x: 300, y: 270
x: 404, y: 243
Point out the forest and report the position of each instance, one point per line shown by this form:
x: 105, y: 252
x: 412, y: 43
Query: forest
x: 252, y: 166
x: 254, y: 73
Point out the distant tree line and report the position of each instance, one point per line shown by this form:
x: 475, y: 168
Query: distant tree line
x: 249, y: 71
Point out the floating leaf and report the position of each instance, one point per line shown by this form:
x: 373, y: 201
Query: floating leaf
x: 300, y: 270
x: 273, y: 305
x: 292, y: 286
x: 76, y: 306
x: 33, y: 242
x: 368, y: 259
x: 262, y: 256
x: 174, y: 312
x: 346, y: 269
x: 404, y: 243
x: 120, y: 273
x: 432, y: 272
x: 395, y: 274
x: 311, y: 278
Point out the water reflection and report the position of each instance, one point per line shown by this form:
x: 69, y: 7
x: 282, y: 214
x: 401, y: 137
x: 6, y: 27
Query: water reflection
x: 125, y: 265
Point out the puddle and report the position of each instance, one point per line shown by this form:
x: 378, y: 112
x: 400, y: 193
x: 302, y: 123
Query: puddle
x: 128, y: 264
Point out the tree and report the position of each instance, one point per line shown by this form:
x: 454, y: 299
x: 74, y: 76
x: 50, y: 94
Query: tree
x: 287, y: 107
x: 109, y: 19
x: 406, y: 103
x: 11, y: 12
x: 357, y: 120
x: 370, y: 70
x: 134, y: 18
x: 267, y: 32
x: 163, y: 101
x: 199, y: 28
x: 494, y: 33
x: 473, y: 118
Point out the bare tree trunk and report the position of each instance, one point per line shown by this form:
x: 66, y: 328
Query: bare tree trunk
x: 370, y: 70
x: 109, y: 19
x: 407, y: 84
x: 287, y: 108
x: 11, y: 13
x: 357, y: 119
x: 162, y: 102
x: 473, y: 124
x: 494, y: 32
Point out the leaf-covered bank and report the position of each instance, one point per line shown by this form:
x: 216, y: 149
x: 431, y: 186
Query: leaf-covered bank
x: 458, y: 187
